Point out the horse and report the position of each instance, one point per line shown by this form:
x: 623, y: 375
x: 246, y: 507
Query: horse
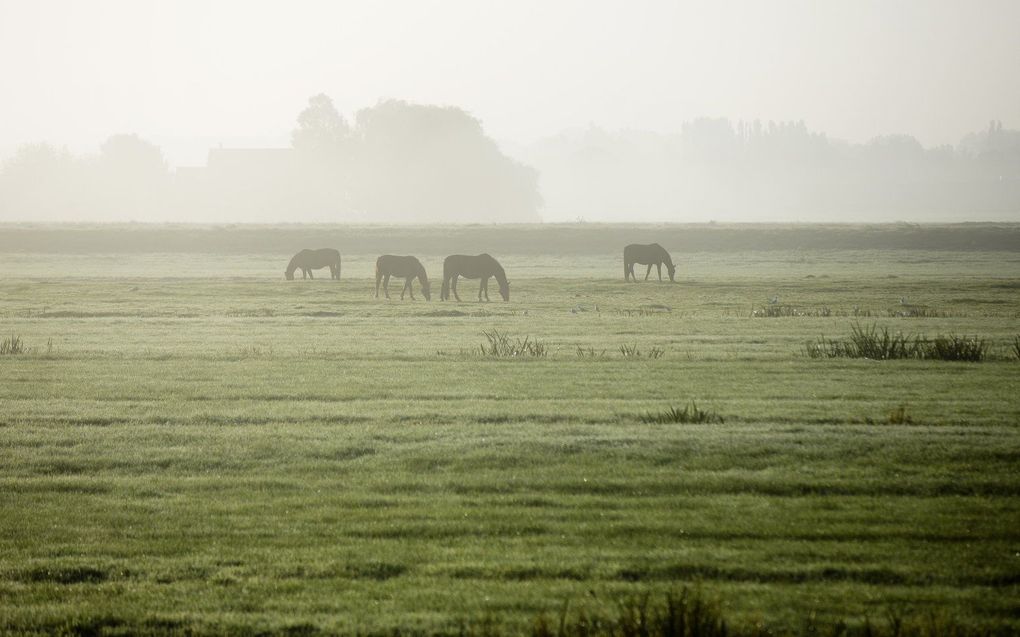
x: 651, y: 254
x: 481, y: 267
x: 408, y: 267
x: 309, y: 260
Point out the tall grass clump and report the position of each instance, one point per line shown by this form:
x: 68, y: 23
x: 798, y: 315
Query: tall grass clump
x: 632, y: 351
x: 1015, y: 349
x: 682, y: 614
x: 690, y: 614
x: 689, y: 414
x: 12, y: 346
x: 502, y: 345
x: 880, y: 344
x: 956, y: 348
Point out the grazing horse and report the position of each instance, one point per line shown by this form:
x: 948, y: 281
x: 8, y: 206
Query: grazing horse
x: 651, y: 254
x: 408, y: 267
x: 309, y: 260
x: 481, y: 267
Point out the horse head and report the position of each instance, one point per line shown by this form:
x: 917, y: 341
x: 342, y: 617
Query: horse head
x: 426, y: 289
x: 672, y: 270
x: 289, y: 274
x: 504, y: 289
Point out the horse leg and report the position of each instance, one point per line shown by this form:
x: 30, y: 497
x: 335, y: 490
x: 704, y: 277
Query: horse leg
x: 310, y: 275
x: 378, y: 280
x: 386, y: 285
x: 453, y: 286
x: 649, y: 271
x: 626, y: 271
x: 409, y: 285
x: 658, y: 266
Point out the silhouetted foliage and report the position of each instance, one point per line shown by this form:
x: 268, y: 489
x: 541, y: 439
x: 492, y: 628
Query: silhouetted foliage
x: 774, y: 170
x: 322, y: 130
x: 429, y: 162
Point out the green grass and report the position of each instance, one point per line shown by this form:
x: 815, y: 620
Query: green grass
x: 689, y: 414
x: 190, y: 452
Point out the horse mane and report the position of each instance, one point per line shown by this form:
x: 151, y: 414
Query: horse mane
x: 498, y: 270
x: 664, y: 254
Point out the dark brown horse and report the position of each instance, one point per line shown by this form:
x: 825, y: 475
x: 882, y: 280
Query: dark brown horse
x: 309, y: 260
x: 651, y: 254
x: 481, y: 267
x: 408, y: 267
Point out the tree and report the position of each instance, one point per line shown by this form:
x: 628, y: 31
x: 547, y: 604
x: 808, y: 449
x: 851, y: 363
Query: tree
x: 42, y: 183
x: 322, y: 131
x: 418, y: 162
x: 131, y: 178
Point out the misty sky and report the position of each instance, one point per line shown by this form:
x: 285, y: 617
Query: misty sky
x: 186, y: 74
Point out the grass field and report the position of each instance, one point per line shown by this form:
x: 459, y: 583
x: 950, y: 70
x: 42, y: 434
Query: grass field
x: 193, y: 444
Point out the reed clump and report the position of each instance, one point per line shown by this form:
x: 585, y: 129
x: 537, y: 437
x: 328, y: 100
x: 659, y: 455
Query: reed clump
x: 501, y: 345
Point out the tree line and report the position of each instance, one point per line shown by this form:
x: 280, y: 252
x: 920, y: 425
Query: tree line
x: 397, y: 162
x: 403, y: 162
x: 715, y: 169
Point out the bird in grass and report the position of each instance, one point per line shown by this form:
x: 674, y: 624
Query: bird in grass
x: 774, y: 300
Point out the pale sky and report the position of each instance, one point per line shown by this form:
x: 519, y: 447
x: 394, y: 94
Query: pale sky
x: 187, y: 74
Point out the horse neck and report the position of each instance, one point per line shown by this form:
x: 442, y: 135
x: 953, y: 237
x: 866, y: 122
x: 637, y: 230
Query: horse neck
x: 500, y: 274
x: 292, y: 266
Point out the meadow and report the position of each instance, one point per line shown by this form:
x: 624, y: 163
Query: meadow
x: 191, y: 444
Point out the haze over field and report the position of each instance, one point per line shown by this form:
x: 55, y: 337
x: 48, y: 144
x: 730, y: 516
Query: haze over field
x: 525, y: 111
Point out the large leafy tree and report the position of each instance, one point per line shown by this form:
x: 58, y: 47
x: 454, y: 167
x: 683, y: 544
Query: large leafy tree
x: 322, y: 131
x: 419, y: 162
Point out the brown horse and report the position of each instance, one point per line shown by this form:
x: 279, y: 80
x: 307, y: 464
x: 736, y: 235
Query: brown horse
x: 481, y: 267
x: 408, y: 267
x: 309, y: 260
x: 650, y: 254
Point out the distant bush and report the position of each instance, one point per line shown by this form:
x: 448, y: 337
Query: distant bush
x: 12, y: 346
x: 502, y: 345
x: 881, y: 344
x: 689, y: 414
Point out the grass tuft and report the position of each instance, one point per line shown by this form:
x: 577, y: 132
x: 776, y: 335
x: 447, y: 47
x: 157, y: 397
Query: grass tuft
x: 632, y: 351
x: 590, y: 352
x: 502, y: 345
x: 682, y: 614
x: 1015, y: 349
x: 899, y: 416
x: 881, y: 344
x: 691, y: 614
x: 12, y: 346
x: 689, y: 414
x: 955, y: 348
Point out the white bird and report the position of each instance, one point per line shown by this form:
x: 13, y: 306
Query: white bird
x: 903, y: 300
x: 774, y: 300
